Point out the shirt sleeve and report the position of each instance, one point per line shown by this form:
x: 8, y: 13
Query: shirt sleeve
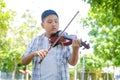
x: 29, y: 48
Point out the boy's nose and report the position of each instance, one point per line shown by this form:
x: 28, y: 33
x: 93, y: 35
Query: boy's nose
x: 53, y: 23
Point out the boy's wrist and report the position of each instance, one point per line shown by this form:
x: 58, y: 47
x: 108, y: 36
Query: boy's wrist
x: 33, y: 54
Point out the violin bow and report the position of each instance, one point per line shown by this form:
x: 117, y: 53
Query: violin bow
x: 63, y: 30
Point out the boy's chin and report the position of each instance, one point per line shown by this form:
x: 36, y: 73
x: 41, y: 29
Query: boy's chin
x: 53, y: 32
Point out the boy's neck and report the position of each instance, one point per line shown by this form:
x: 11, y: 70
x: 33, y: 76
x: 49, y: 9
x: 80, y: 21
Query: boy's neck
x: 47, y: 35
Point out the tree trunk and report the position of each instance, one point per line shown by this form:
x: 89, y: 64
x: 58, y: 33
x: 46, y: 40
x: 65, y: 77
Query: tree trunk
x: 14, y: 71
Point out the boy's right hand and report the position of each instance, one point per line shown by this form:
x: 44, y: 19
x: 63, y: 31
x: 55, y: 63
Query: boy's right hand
x: 41, y: 53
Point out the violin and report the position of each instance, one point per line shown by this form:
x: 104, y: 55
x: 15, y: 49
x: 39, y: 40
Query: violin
x: 65, y: 40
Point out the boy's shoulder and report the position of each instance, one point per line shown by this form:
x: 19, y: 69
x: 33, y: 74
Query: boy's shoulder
x: 39, y: 36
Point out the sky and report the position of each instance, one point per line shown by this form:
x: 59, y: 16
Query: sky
x: 66, y: 9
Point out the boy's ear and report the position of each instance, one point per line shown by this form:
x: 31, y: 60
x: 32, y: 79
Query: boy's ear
x: 42, y: 25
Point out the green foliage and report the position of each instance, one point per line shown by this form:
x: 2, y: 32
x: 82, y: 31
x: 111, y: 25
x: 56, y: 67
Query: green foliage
x: 6, y: 16
x: 71, y: 71
x: 104, y: 19
x: 11, y: 59
x: 20, y: 37
x: 92, y: 63
x: 108, y: 9
x: 14, y: 39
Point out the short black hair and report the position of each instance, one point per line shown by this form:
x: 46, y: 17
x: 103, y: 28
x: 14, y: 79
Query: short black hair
x: 47, y: 13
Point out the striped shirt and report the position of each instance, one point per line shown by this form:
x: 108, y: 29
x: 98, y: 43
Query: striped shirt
x: 55, y: 65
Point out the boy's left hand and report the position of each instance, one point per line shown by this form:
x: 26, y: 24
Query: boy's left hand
x: 76, y: 44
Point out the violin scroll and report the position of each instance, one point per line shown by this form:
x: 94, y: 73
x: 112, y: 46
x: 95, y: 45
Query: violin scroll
x: 87, y: 46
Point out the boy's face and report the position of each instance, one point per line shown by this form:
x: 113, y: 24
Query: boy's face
x: 51, y: 24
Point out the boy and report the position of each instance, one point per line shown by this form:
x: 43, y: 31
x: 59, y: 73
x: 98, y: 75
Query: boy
x: 54, y: 65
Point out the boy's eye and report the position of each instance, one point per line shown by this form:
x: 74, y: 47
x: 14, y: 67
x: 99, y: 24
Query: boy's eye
x: 56, y: 21
x: 49, y: 22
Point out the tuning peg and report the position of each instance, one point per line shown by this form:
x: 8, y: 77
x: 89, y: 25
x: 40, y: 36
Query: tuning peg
x: 84, y: 45
x: 87, y: 46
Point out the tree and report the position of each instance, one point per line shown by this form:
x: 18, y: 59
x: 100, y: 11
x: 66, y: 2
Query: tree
x: 20, y: 37
x: 104, y: 20
x: 14, y: 39
x: 6, y: 16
